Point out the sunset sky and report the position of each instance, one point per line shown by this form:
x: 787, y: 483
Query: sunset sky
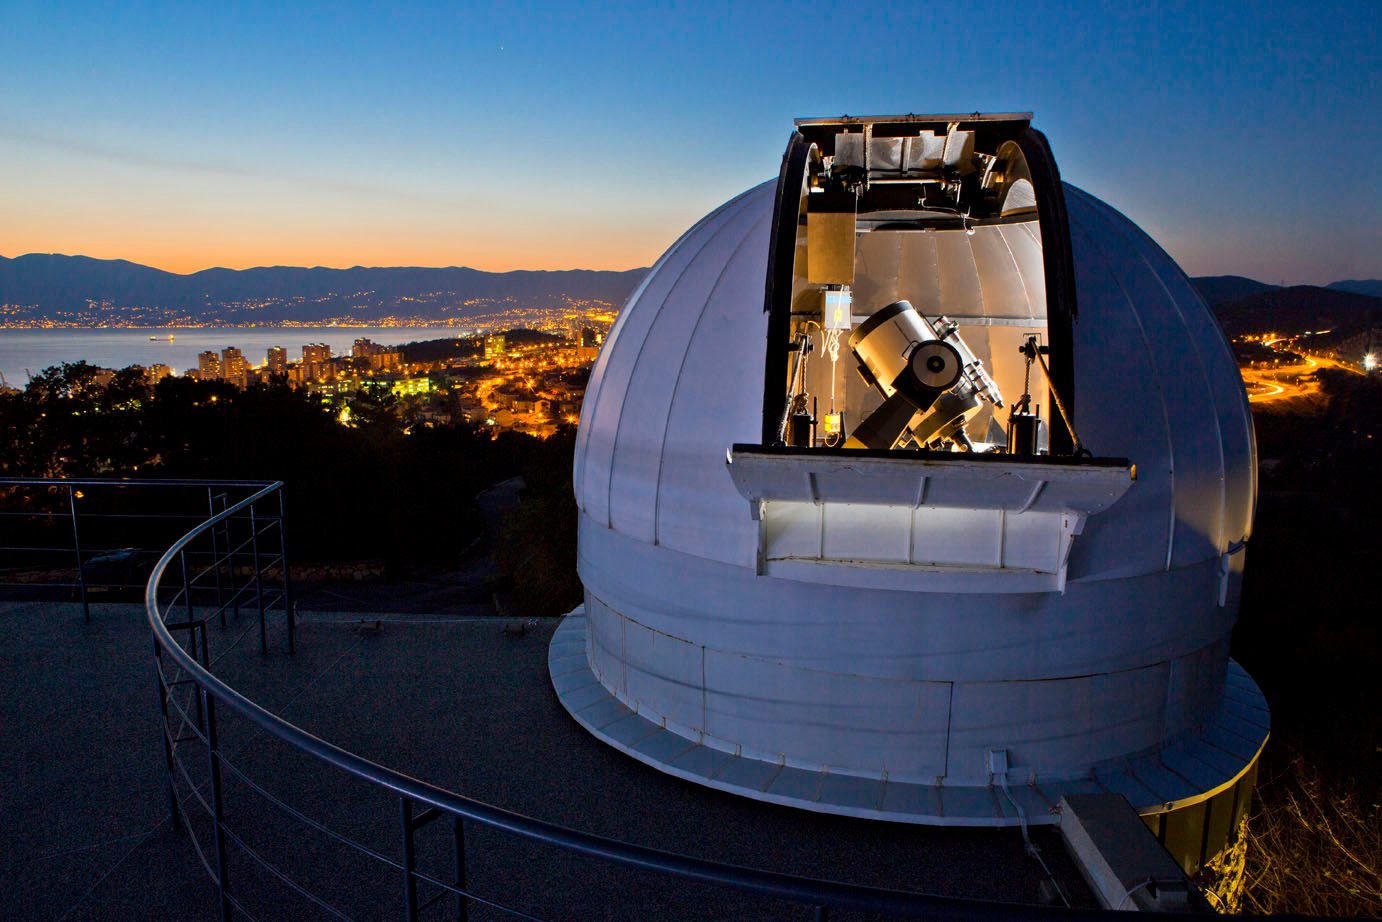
x: 1244, y: 136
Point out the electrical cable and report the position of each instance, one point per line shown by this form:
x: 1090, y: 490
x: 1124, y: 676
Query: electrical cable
x: 830, y: 345
x: 1030, y: 846
x: 1128, y: 895
x: 831, y: 342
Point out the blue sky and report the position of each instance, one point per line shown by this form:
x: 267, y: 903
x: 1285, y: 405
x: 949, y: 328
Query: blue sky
x: 1244, y: 137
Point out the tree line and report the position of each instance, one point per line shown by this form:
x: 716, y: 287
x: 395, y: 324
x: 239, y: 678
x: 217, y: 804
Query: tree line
x: 363, y: 479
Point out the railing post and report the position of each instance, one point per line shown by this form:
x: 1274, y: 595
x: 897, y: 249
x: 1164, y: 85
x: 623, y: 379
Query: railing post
x: 290, y: 615
x: 168, y: 734
x: 229, y: 525
x: 186, y: 587
x: 191, y: 616
x: 405, y: 815
x: 821, y: 914
x: 77, y: 548
x: 216, y: 558
x: 217, y: 803
x: 206, y: 644
x: 258, y: 587
x: 462, y: 903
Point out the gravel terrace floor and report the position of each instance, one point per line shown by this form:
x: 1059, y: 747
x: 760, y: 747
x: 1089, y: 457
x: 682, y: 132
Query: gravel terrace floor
x: 444, y: 695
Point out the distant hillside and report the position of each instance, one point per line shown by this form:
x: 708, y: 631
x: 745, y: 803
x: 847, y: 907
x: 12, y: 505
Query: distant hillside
x: 1372, y: 287
x: 437, y: 350
x: 1299, y: 309
x: 56, y: 286
x: 1221, y: 289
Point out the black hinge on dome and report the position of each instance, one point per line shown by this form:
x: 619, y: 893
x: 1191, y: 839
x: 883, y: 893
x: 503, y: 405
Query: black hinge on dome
x: 1059, y: 266
x: 777, y: 299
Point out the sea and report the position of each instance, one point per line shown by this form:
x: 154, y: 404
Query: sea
x: 24, y: 352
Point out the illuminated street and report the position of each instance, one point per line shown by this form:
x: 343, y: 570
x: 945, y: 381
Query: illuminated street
x: 1288, y: 382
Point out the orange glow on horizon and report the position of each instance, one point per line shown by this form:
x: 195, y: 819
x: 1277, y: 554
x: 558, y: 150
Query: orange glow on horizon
x: 185, y: 261
x: 185, y: 247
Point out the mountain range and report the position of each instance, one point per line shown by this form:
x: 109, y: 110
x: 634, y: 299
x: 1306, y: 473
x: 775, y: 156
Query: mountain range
x: 1222, y: 289
x: 79, y: 289
x: 1300, y: 309
x: 54, y: 286
x: 1342, y: 315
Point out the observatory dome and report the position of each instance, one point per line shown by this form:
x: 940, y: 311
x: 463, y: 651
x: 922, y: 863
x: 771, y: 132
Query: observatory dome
x: 1014, y: 567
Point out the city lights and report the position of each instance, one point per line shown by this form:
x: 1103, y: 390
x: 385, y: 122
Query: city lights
x: 528, y: 379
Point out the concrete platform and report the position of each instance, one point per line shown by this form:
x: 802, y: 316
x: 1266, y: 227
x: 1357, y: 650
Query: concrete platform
x: 1192, y: 770
x: 84, y: 831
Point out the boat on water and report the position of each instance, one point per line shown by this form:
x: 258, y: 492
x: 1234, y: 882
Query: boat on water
x: 154, y: 339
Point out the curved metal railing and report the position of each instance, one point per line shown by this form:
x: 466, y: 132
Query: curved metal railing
x: 191, y: 694
x: 89, y: 538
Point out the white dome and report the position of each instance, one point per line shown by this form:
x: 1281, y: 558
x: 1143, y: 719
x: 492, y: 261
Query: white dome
x: 913, y: 674
x: 677, y: 381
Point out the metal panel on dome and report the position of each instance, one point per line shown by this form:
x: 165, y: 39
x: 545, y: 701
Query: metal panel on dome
x: 721, y: 362
x: 1222, y: 379
x: 937, y: 479
x: 992, y: 276
x: 1193, y: 437
x: 644, y: 422
x: 937, y: 510
x: 601, y: 413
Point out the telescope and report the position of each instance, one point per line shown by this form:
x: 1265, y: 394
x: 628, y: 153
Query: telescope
x: 931, y: 381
